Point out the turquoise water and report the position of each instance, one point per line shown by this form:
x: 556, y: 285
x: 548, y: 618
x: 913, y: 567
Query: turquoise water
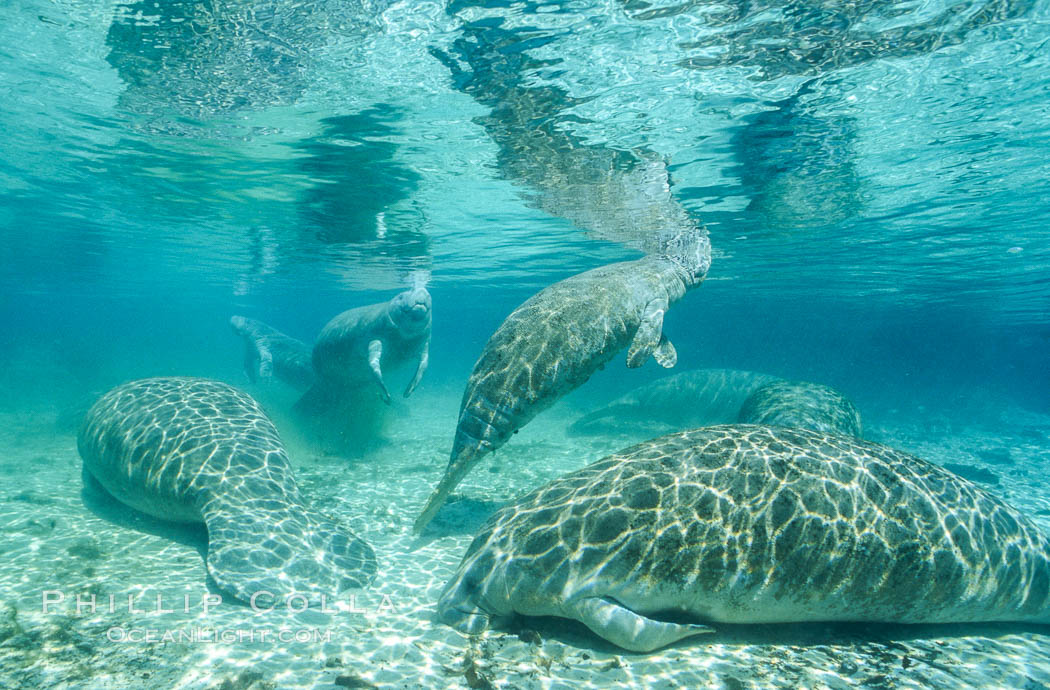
x: 873, y: 176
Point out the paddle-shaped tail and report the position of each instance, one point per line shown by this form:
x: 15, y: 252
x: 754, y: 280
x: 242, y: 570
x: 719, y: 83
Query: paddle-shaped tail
x: 457, y: 468
x: 267, y: 550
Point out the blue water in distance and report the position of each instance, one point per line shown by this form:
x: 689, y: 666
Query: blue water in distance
x: 873, y: 177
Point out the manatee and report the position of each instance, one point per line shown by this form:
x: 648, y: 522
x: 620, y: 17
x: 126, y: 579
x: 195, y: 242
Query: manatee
x: 198, y: 451
x: 559, y: 337
x: 803, y: 405
x: 751, y: 524
x: 680, y: 401
x: 357, y: 346
x: 268, y: 354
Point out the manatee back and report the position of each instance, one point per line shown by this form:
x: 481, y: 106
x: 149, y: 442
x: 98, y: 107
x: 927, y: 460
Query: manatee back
x: 802, y: 405
x: 748, y: 523
x: 198, y: 450
x: 681, y: 401
x: 160, y: 444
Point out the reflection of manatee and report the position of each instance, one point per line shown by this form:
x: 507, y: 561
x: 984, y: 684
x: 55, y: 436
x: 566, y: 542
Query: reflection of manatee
x: 611, y: 193
x: 802, y: 405
x: 771, y: 40
x: 681, y: 401
x: 194, y: 450
x: 361, y: 192
x: 782, y: 151
x: 751, y: 524
x: 268, y: 353
x: 200, y: 60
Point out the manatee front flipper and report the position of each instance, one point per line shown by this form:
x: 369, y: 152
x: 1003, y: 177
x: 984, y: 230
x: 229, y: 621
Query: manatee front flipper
x: 265, y: 361
x: 258, y: 361
x: 665, y: 354
x: 649, y: 336
x: 424, y: 359
x: 375, y: 354
x: 627, y: 629
x: 261, y: 548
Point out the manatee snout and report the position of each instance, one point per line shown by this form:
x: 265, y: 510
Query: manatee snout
x: 458, y: 607
x: 461, y: 617
x: 413, y: 307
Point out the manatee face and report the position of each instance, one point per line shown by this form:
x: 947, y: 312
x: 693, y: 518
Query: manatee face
x: 410, y: 311
x: 459, y: 608
x: 692, y: 252
x: 239, y: 324
x: 463, y: 605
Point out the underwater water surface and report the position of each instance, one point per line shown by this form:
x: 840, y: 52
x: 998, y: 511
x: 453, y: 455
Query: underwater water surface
x: 873, y: 178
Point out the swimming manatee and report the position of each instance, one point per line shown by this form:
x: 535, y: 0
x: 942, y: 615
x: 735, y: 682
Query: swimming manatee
x: 356, y: 347
x: 553, y: 342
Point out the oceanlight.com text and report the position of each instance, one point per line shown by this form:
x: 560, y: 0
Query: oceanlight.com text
x: 193, y: 635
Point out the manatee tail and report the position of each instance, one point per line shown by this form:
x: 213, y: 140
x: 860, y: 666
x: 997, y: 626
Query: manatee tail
x: 434, y: 503
x: 458, y: 467
x: 254, y: 550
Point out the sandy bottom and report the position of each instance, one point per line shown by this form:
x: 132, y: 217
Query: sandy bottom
x: 59, y: 542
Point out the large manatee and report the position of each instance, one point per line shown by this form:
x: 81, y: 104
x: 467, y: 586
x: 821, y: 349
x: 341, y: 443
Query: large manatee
x: 752, y: 524
x: 200, y: 451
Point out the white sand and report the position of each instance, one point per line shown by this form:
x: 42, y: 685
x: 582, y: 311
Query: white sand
x: 52, y: 541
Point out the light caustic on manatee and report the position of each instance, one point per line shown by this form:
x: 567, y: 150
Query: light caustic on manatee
x: 553, y: 342
x: 201, y: 451
x: 752, y: 524
x: 803, y: 405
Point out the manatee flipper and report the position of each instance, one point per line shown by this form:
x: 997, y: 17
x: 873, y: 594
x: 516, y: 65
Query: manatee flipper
x: 665, y: 354
x: 375, y: 354
x: 265, y: 362
x: 258, y: 362
x: 627, y: 629
x: 247, y: 555
x: 424, y: 359
x: 649, y: 334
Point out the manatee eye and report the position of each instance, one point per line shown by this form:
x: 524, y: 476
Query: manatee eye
x: 471, y: 582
